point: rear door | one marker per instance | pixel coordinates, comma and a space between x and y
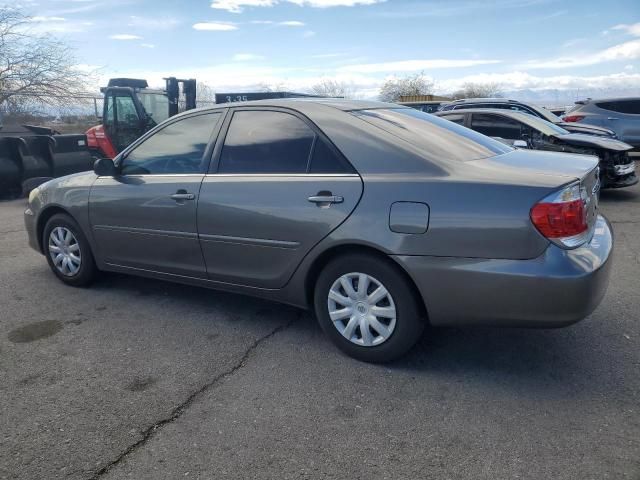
623, 117
277, 186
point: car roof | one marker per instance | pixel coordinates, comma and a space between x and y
485, 100
300, 103
609, 99
498, 111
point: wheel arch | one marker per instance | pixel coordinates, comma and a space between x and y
44, 217
345, 249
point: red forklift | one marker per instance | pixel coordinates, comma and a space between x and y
131, 108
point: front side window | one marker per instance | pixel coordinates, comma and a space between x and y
177, 148
261, 141
109, 112
126, 111
496, 126
459, 118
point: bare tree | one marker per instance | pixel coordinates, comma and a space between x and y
328, 87
274, 87
35, 66
417, 84
205, 94
478, 90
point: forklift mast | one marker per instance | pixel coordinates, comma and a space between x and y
173, 93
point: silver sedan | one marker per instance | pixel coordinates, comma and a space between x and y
380, 218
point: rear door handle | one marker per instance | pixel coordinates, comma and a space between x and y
326, 199
183, 196
612, 118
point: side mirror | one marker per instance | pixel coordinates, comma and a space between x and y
520, 144
104, 167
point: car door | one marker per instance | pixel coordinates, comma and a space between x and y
277, 187
145, 216
623, 117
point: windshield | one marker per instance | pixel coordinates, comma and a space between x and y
545, 127
437, 137
548, 116
156, 105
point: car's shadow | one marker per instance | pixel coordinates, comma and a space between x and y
549, 362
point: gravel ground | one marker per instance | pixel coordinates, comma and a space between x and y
135, 378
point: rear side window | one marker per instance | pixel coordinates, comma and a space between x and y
631, 107
266, 142
438, 138
496, 126
326, 160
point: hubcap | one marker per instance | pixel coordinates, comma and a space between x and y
65, 251
362, 310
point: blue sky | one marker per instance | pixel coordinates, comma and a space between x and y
238, 44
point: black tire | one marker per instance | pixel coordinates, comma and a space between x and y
409, 323
87, 271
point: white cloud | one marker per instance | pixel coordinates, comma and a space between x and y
631, 29
262, 22
237, 6
524, 81
47, 19
625, 51
628, 67
413, 65
147, 45
215, 26
309, 34
151, 23
125, 36
291, 23
246, 57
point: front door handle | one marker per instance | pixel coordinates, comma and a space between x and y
320, 199
181, 195
612, 118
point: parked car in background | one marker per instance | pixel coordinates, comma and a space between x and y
506, 104
622, 115
378, 217
427, 107
617, 168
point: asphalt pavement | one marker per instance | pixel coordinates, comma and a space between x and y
142, 379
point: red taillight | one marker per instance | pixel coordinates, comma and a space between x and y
573, 118
562, 216
559, 220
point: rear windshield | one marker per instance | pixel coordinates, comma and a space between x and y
439, 138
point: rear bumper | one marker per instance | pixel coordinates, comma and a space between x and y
556, 289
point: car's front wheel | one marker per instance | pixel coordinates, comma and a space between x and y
367, 307
68, 252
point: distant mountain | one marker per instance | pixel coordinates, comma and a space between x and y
558, 97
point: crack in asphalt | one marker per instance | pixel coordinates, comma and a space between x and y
177, 411
13, 231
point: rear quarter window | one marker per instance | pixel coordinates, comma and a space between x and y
438, 138
631, 107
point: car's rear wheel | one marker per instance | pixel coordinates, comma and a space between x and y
367, 307
68, 252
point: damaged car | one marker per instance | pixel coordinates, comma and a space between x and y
526, 131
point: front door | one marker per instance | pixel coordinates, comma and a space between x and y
145, 217
277, 188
